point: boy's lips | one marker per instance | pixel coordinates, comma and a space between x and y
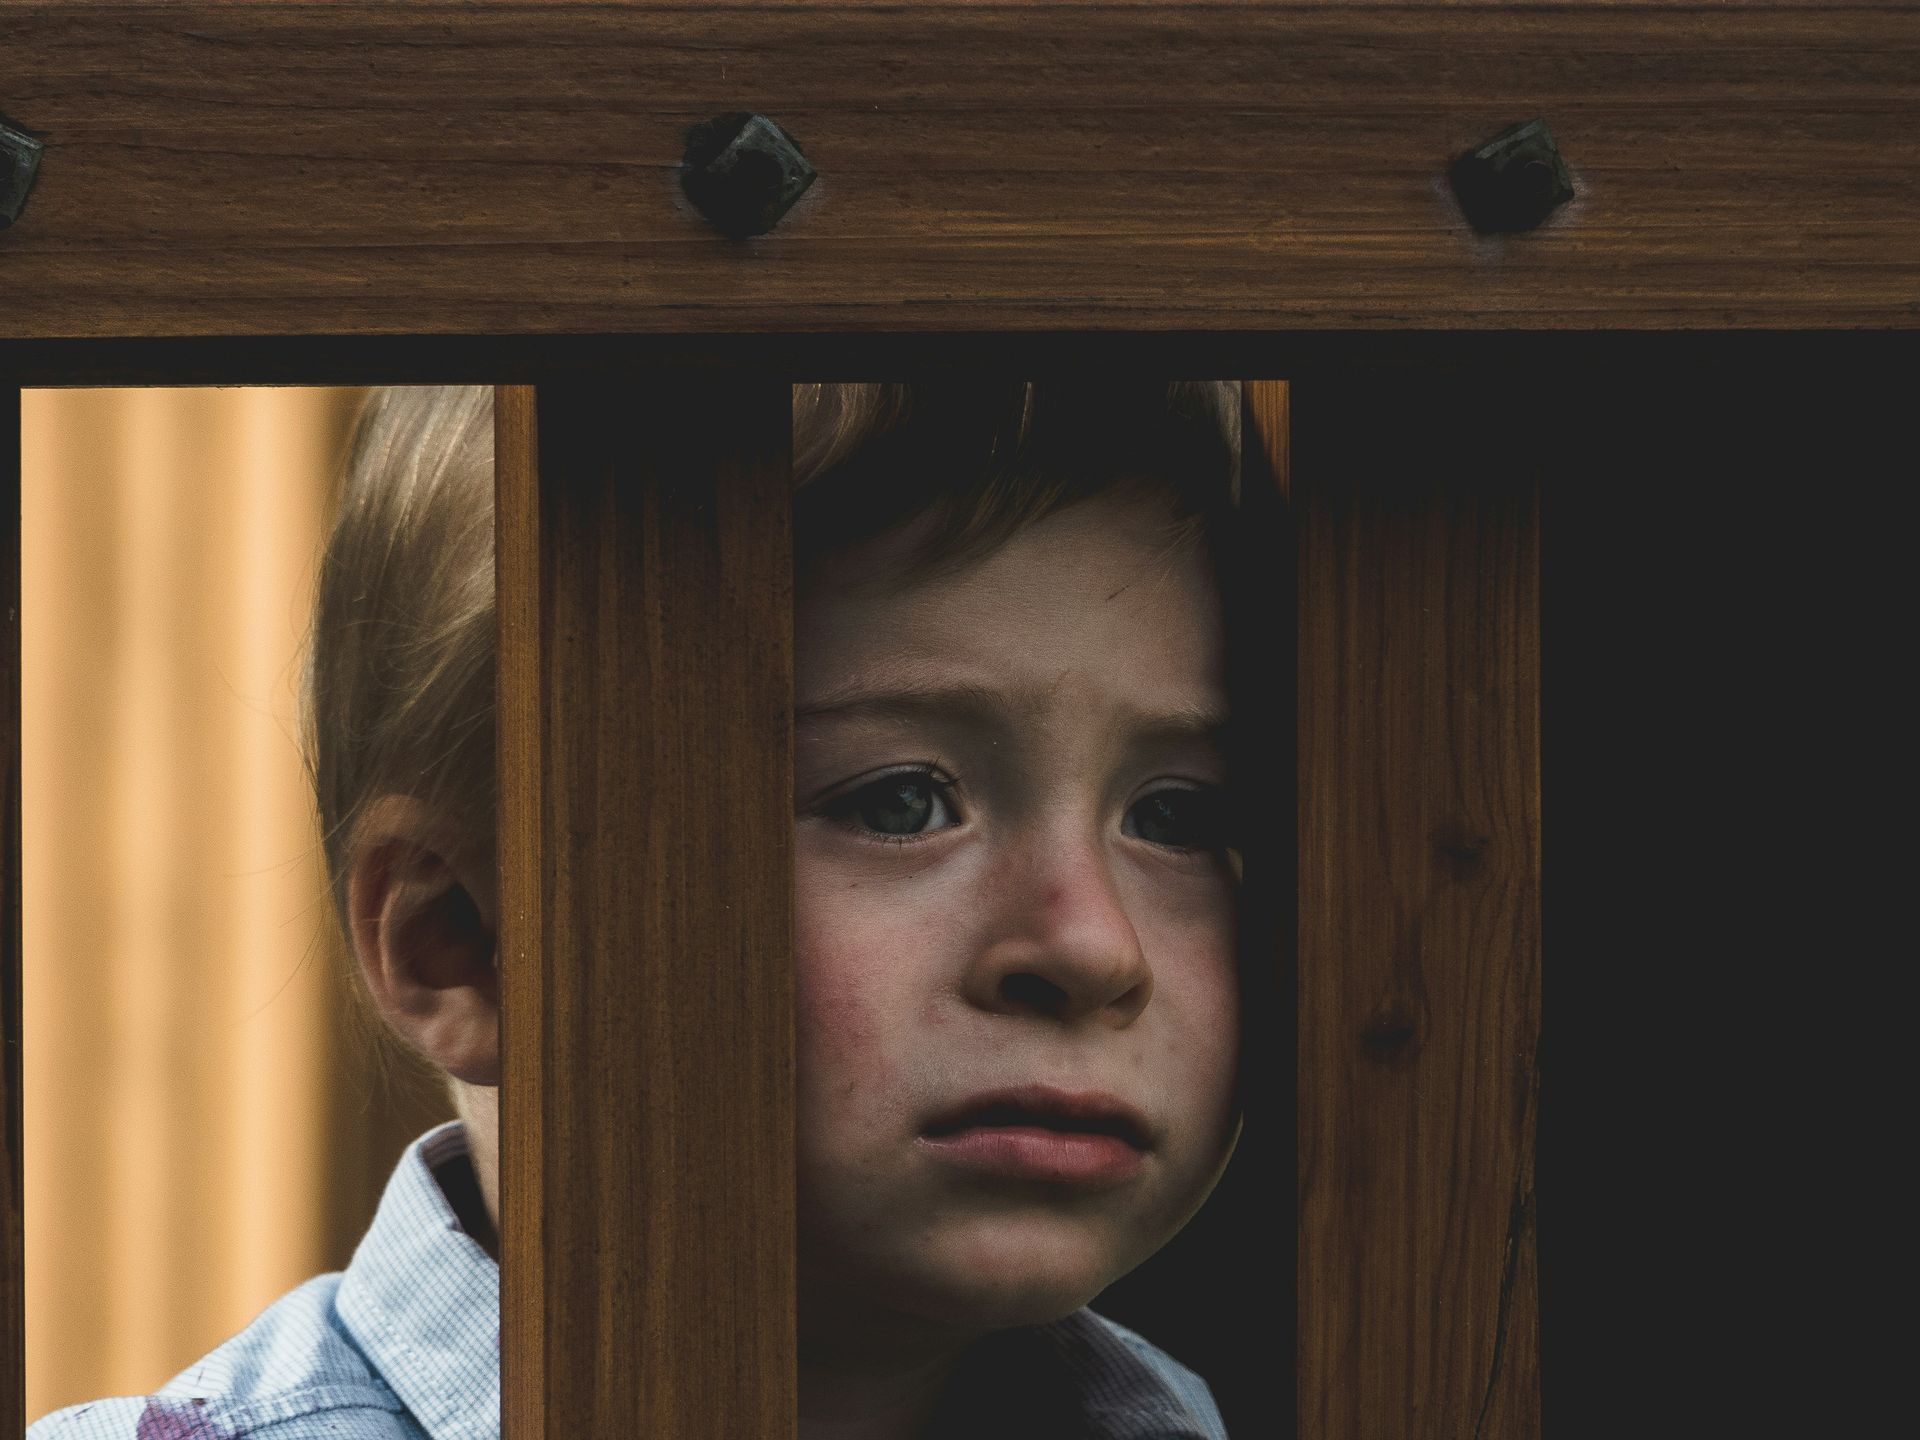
1033, 1152
1027, 1107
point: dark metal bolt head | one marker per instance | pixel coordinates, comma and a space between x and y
743, 172
19, 163
1513, 180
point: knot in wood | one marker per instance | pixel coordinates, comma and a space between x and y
1392, 1033
1461, 849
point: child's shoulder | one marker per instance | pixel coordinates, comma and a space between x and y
408, 1335
1184, 1400
293, 1374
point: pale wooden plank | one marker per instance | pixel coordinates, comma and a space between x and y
13, 1354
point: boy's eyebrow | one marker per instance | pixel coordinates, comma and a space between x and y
983, 703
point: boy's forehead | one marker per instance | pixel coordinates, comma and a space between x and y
1118, 539
1099, 528
1060, 608
1172, 717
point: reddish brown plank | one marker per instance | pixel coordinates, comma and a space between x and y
518, 738
258, 168
1269, 405
1419, 928
646, 813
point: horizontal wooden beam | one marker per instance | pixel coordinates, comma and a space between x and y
255, 168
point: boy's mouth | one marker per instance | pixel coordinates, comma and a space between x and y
1041, 1106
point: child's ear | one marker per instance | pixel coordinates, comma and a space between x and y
422, 921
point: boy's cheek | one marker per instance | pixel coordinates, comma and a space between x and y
1196, 1050
839, 1036
865, 979
843, 1019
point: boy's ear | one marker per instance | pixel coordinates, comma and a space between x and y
423, 927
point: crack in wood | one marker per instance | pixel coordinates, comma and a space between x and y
1519, 1222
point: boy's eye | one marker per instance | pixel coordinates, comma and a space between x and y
1179, 819
908, 803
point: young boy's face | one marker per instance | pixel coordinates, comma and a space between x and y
1008, 875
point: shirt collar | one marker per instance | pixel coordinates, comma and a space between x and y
422, 1299
1120, 1396
1071, 1377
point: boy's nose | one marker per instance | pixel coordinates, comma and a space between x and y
1060, 942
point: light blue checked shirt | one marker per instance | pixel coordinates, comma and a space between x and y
405, 1345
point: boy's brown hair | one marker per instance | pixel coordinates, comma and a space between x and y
398, 688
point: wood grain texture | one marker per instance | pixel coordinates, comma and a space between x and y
522, 841
646, 868
1269, 420
13, 1298
257, 168
1419, 930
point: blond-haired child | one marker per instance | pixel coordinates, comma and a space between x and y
1015, 885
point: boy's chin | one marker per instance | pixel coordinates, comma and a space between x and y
967, 1278
914, 1317
1023, 1280
966, 1307
1032, 1305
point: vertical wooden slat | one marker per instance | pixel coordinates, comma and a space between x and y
13, 1355
518, 715
646, 813
1419, 930
1269, 431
